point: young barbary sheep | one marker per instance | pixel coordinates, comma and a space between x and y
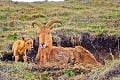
20, 46
45, 41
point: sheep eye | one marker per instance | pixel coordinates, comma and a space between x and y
48, 32
38, 32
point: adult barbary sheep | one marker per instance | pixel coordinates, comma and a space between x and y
73, 55
84, 56
19, 48
45, 41
62, 54
47, 51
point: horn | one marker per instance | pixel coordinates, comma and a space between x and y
49, 24
39, 23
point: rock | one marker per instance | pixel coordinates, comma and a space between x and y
108, 74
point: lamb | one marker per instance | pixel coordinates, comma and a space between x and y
19, 48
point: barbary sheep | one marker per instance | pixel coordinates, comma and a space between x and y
45, 41
20, 46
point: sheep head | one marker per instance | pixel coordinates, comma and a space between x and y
44, 33
28, 43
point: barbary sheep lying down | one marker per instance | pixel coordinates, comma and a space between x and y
84, 56
20, 46
62, 54
73, 55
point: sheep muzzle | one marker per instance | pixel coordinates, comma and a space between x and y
43, 45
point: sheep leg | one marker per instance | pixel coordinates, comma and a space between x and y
37, 59
77, 57
16, 58
16, 55
48, 57
42, 59
25, 57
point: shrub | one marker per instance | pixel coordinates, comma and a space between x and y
3, 17
28, 74
5, 29
12, 36
44, 78
69, 73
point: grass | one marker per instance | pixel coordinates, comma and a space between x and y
117, 78
101, 69
89, 15
28, 74
12, 37
3, 18
69, 73
63, 10
20, 71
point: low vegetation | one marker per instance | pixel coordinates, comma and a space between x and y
92, 16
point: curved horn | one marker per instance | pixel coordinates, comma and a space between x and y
49, 24
39, 23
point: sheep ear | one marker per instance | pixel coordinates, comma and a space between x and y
38, 23
23, 38
51, 22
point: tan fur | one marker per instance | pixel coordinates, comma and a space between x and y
19, 48
79, 54
84, 56
62, 54
45, 41
49, 52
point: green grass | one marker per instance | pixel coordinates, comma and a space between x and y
12, 36
44, 78
116, 78
27, 74
20, 71
5, 28
69, 73
90, 16
101, 69
3, 18
76, 16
